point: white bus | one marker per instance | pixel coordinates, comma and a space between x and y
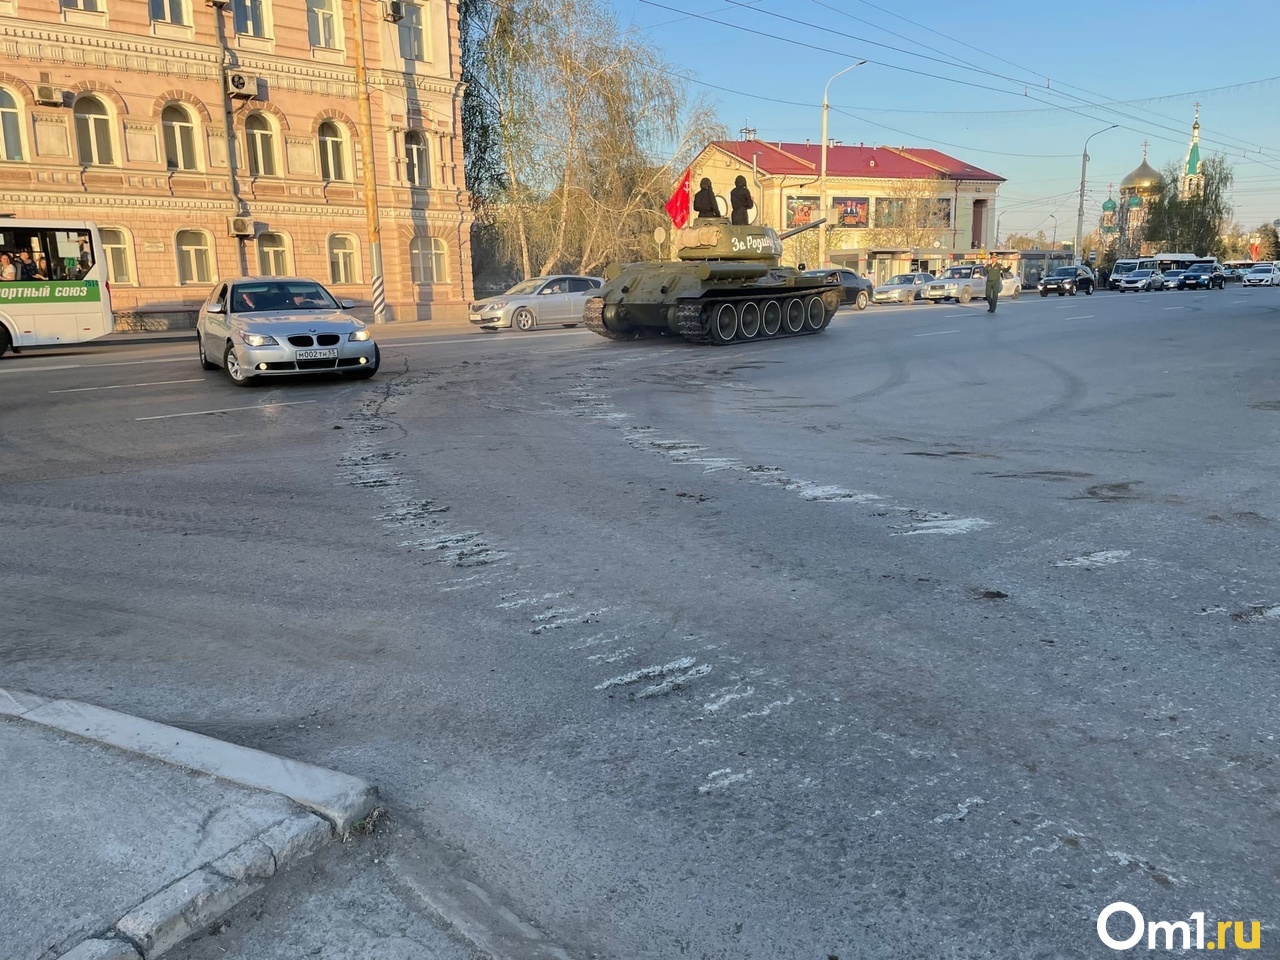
53, 286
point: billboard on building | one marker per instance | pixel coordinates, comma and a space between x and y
853, 211
802, 211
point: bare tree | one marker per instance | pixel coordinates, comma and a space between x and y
914, 218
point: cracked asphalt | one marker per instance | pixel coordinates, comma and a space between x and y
931, 635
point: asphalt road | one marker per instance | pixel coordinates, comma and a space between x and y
929, 636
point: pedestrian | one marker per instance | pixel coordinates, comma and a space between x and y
993, 283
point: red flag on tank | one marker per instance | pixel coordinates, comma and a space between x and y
678, 205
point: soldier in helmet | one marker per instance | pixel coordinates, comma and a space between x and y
741, 201
704, 201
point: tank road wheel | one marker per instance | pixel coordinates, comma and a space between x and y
748, 321
815, 314
965, 295
771, 322
793, 319
724, 327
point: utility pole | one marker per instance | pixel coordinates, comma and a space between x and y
238, 206
370, 171
822, 174
1084, 166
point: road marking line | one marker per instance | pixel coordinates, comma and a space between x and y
66, 366
122, 386
936, 334
1174, 308
201, 413
1087, 316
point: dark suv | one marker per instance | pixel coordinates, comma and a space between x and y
1067, 280
1203, 276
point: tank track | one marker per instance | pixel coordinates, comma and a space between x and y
699, 321
593, 317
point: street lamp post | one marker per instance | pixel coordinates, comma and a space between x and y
822, 171
1084, 165
1054, 244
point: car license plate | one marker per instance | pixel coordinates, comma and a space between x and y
330, 354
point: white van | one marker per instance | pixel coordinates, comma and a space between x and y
1123, 267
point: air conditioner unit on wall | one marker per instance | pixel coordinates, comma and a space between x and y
49, 96
393, 11
242, 85
240, 226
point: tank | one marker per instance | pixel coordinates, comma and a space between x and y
726, 287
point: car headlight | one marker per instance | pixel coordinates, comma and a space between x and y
359, 334
258, 339
496, 306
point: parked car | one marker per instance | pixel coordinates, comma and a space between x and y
1010, 285
903, 288
1171, 278
1263, 275
1142, 280
260, 327
540, 302
854, 289
961, 284
1068, 280
1202, 276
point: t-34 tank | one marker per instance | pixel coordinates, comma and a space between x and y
726, 287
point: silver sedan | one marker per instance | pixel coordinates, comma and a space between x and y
280, 326
903, 288
539, 302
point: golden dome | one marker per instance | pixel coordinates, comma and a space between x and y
1144, 178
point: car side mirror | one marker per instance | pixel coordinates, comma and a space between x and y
346, 304
214, 308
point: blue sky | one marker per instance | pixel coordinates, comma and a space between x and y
1035, 82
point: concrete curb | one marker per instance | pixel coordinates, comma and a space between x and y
336, 802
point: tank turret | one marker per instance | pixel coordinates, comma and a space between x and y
726, 285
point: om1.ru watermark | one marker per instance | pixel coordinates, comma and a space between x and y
1179, 934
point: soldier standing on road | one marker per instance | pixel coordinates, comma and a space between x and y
993, 283
704, 201
740, 198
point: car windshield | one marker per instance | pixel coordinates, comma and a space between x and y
1261, 270
902, 278
1140, 274
1200, 268
1064, 272
1121, 268
525, 287
957, 273
292, 295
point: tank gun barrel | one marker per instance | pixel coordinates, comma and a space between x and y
808, 226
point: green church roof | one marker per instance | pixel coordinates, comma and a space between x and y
1193, 161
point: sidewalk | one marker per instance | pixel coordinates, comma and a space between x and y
127, 836
383, 332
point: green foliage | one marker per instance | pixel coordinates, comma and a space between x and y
1194, 224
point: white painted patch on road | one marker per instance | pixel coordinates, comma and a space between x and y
769, 708
719, 779
205, 413
647, 673
962, 810
936, 333
940, 523
1098, 559
613, 656
1085, 316
677, 682
125, 386
1174, 308
525, 601
726, 698
1256, 614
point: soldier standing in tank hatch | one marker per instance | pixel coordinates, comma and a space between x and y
741, 201
704, 201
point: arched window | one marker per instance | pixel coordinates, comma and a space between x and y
417, 159
10, 127
195, 258
428, 261
261, 141
343, 265
93, 131
179, 138
273, 255
115, 247
333, 152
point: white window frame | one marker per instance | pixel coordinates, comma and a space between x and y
260, 145
254, 14
324, 24
95, 129
273, 259
428, 260
123, 250
349, 271
417, 159
412, 33
11, 145
181, 136
195, 262
333, 153
168, 9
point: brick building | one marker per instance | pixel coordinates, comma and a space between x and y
218, 138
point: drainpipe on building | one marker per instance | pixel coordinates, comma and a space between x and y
238, 207
373, 224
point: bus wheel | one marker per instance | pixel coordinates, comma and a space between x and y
5, 342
